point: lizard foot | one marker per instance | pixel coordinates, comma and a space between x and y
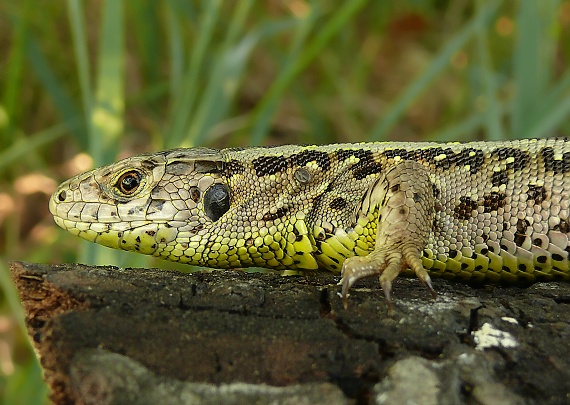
403, 201
387, 267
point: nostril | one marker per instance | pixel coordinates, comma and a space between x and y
62, 196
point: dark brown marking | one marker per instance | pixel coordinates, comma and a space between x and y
416, 197
267, 165
338, 203
536, 193
150, 233
233, 167
475, 162
520, 234
555, 165
343, 154
537, 242
155, 206
321, 158
557, 257
195, 193
521, 158
281, 212
402, 153
519, 239
435, 190
366, 166
430, 154
493, 201
563, 226
465, 208
395, 188
498, 178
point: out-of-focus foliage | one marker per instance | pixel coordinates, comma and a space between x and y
83, 83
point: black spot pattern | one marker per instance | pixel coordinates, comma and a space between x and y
536, 193
268, 165
493, 201
499, 178
365, 166
563, 226
521, 158
555, 165
301, 159
465, 208
430, 154
475, 162
338, 203
520, 234
233, 167
436, 191
402, 153
344, 154
279, 213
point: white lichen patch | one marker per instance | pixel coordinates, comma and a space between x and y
489, 336
510, 320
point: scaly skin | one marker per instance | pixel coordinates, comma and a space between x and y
480, 211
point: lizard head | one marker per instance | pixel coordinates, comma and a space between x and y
163, 204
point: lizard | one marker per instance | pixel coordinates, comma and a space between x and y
486, 211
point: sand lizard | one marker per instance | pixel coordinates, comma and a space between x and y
479, 211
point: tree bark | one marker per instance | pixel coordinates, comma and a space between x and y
112, 336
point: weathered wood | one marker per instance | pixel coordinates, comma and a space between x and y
108, 335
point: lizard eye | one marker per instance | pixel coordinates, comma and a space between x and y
217, 201
129, 182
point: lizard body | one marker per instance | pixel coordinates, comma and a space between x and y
479, 211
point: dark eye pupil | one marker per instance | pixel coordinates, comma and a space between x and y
217, 201
129, 182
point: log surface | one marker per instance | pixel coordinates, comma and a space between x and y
111, 336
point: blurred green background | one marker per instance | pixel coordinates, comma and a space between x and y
86, 82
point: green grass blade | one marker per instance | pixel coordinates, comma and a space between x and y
264, 111
223, 82
440, 62
144, 19
492, 122
68, 112
533, 60
77, 25
461, 131
188, 91
108, 108
548, 123
176, 51
25, 146
14, 69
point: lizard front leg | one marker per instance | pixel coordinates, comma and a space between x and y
403, 200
